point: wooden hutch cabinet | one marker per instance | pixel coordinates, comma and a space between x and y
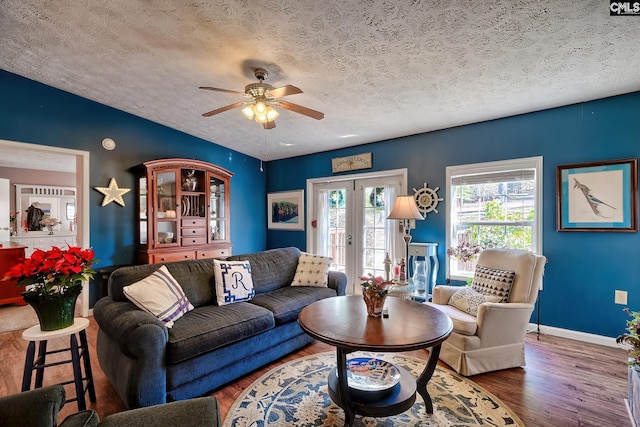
183, 211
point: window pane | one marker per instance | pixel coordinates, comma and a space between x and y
493, 206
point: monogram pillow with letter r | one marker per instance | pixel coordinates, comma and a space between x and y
233, 281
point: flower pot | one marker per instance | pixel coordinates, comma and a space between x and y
374, 303
55, 311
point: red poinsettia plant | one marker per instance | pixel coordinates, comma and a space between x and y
54, 271
375, 284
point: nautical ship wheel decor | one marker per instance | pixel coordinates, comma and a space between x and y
427, 199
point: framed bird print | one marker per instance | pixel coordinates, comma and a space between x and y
598, 196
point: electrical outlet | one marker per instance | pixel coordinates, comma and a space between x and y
412, 224
621, 297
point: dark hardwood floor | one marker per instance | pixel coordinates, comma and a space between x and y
565, 382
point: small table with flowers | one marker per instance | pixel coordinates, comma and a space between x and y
343, 322
78, 352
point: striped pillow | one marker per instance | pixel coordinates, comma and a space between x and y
161, 295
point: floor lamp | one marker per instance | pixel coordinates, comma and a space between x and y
405, 209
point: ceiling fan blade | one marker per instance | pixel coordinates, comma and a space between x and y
269, 124
217, 89
300, 110
223, 109
283, 91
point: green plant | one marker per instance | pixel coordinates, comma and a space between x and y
632, 337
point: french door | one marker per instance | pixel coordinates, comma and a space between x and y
349, 223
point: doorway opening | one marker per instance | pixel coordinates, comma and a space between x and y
43, 157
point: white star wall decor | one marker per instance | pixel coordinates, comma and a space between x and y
112, 193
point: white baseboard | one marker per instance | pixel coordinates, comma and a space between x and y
574, 335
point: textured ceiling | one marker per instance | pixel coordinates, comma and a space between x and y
378, 69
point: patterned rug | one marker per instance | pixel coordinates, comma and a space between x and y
295, 394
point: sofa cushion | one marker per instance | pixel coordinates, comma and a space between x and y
312, 270
271, 269
286, 303
161, 295
469, 300
212, 326
233, 281
463, 323
492, 281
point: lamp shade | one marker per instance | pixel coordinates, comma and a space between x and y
405, 208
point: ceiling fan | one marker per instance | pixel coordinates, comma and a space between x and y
263, 97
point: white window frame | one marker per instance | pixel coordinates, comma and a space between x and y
492, 167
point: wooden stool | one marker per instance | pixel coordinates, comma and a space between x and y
38, 363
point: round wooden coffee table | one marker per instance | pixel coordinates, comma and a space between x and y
343, 322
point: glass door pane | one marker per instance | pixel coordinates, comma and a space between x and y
217, 210
165, 208
142, 209
374, 245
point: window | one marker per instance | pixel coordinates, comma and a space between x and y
493, 205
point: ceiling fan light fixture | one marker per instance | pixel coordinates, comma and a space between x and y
248, 112
272, 113
261, 118
260, 107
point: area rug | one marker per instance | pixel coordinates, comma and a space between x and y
295, 394
14, 317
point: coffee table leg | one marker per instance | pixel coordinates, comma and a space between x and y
426, 375
343, 388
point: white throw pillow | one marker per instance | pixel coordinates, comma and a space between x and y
312, 270
161, 295
469, 300
233, 281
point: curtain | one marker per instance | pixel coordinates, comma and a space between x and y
322, 228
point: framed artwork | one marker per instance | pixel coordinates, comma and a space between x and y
71, 211
286, 210
598, 196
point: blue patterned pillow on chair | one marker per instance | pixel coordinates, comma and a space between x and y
233, 281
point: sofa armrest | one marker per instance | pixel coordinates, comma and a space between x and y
131, 348
198, 412
120, 320
502, 323
338, 281
88, 418
33, 408
442, 293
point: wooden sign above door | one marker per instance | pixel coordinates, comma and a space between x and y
351, 163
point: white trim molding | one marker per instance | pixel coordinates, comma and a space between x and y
574, 335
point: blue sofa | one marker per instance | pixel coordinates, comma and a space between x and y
211, 345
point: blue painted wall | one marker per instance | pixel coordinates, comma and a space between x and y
584, 269
35, 113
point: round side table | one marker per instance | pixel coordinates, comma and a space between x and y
38, 363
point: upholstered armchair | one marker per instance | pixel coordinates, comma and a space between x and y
494, 338
40, 407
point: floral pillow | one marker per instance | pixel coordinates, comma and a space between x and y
468, 300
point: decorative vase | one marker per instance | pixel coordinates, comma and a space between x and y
374, 303
50, 228
55, 311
